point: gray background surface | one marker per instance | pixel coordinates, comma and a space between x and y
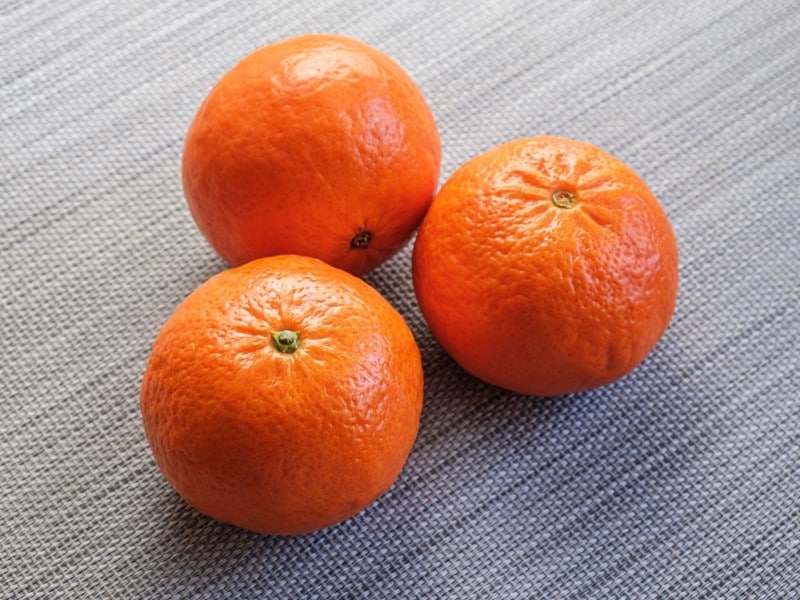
682, 480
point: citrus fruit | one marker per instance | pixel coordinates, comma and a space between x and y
282, 396
546, 266
318, 145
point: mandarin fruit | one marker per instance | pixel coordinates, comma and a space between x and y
546, 266
319, 145
282, 396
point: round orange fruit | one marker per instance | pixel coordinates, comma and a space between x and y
318, 145
546, 266
282, 396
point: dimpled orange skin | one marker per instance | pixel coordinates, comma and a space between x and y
304, 145
282, 443
541, 299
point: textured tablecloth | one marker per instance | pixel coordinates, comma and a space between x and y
680, 481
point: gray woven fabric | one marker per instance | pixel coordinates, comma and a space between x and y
680, 481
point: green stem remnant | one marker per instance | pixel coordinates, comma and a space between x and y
564, 199
285, 341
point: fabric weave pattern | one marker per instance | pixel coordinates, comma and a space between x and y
680, 481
